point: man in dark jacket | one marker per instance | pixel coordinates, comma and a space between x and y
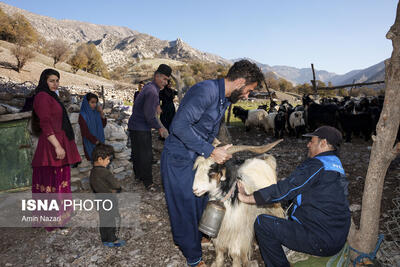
192, 131
319, 220
142, 120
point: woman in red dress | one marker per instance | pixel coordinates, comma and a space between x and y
56, 149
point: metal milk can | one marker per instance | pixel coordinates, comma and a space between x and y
212, 217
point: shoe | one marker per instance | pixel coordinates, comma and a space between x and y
108, 244
201, 264
151, 188
117, 243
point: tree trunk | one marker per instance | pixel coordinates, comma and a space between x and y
19, 67
383, 150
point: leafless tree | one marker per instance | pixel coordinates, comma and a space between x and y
58, 50
23, 54
384, 150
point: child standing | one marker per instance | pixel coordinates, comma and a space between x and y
92, 122
103, 181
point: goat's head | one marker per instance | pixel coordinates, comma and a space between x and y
209, 177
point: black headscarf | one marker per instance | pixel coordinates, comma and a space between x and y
43, 87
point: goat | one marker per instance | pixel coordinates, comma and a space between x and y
236, 234
240, 113
296, 122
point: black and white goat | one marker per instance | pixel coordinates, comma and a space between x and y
252, 118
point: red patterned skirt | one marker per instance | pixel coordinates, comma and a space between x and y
57, 181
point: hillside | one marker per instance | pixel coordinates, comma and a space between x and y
370, 74
33, 69
118, 45
124, 47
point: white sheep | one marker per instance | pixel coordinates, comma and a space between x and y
257, 118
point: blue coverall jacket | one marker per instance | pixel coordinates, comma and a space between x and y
192, 131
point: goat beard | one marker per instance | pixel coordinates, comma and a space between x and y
236, 95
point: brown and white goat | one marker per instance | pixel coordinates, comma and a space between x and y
236, 234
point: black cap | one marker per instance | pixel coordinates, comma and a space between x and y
164, 69
331, 134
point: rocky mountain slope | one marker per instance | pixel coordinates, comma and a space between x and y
118, 45
304, 75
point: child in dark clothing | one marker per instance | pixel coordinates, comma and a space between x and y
103, 181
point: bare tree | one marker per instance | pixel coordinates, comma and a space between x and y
22, 54
58, 50
384, 150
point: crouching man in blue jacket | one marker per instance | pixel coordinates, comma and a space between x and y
319, 220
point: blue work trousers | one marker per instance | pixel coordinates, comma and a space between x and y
184, 208
272, 232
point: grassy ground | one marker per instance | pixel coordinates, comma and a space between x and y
128, 103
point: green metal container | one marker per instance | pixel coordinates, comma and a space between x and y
15, 155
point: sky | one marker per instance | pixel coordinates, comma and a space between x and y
337, 36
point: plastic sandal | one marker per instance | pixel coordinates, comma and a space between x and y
108, 244
119, 243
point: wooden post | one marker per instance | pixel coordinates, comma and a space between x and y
269, 93
15, 116
228, 119
313, 81
353, 85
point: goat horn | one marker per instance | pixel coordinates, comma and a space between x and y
255, 149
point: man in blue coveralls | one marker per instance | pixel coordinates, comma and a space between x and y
192, 131
320, 217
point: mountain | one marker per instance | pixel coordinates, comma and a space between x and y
69, 30
370, 74
118, 45
292, 74
304, 75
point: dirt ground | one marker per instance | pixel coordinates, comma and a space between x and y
150, 243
